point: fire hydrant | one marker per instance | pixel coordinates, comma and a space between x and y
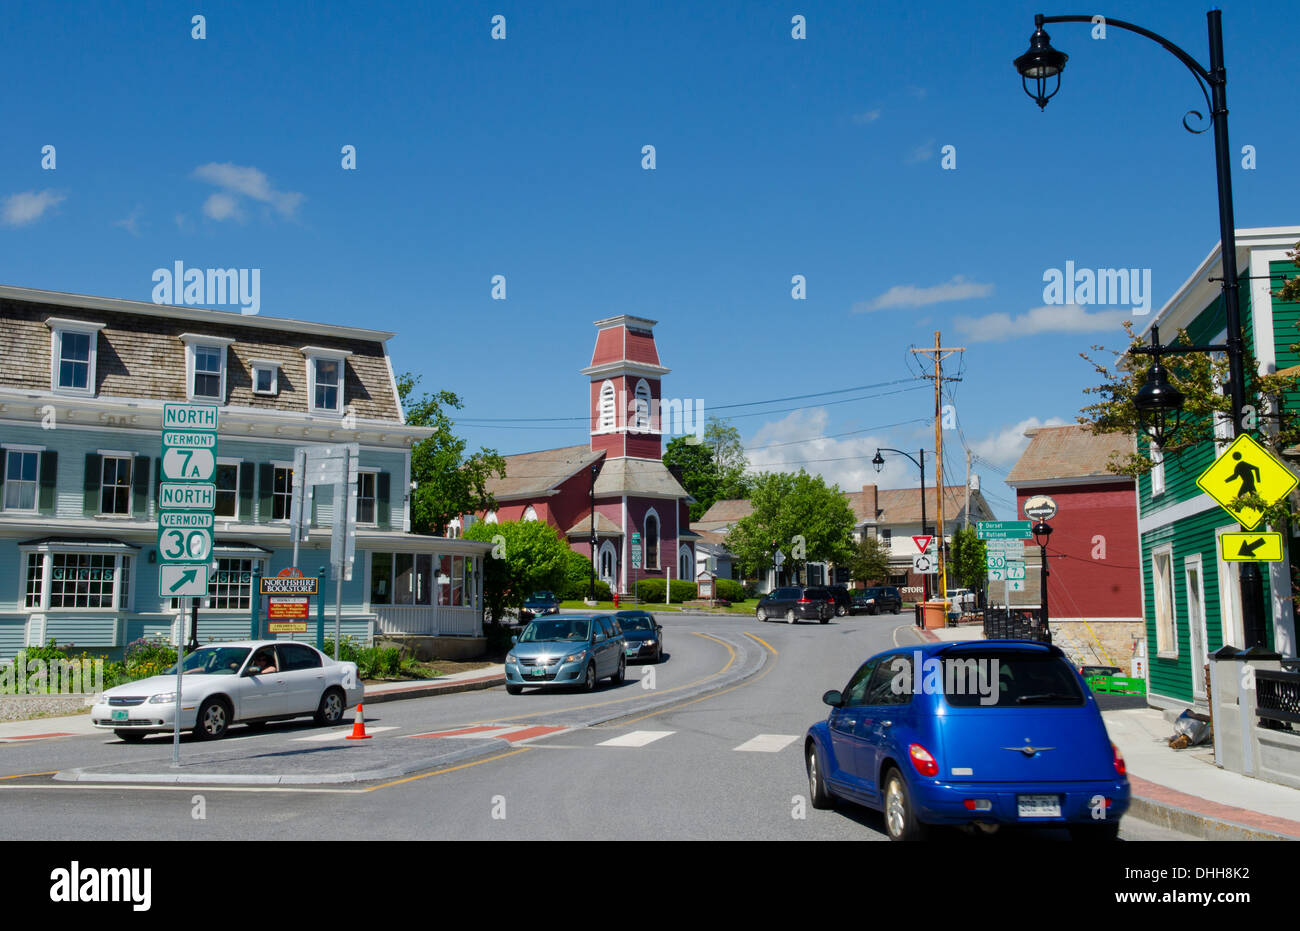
615, 599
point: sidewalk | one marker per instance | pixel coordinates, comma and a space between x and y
1182, 789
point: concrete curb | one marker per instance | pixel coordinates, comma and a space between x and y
1194, 823
745, 659
426, 691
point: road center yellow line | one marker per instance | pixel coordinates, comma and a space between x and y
449, 769
762, 641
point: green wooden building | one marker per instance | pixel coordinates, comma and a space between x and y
1191, 598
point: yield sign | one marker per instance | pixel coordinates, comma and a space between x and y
922, 543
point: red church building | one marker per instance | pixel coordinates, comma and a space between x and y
620, 468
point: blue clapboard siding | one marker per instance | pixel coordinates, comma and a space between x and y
147, 629
13, 636
358, 628
82, 631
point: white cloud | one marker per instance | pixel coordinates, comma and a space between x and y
222, 206
28, 206
844, 461
868, 116
247, 181
922, 153
906, 295
1065, 318
1004, 447
131, 223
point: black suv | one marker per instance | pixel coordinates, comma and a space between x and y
796, 602
878, 599
843, 599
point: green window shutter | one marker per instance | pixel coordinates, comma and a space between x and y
49, 477
4, 470
245, 491
265, 488
140, 486
383, 509
90, 487
157, 481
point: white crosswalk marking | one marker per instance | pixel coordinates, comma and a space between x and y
340, 734
634, 739
768, 743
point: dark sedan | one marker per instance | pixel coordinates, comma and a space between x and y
644, 636
539, 604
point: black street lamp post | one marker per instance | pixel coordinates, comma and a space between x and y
879, 462
1042, 531
591, 587
1040, 64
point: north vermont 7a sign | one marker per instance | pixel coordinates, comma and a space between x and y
187, 498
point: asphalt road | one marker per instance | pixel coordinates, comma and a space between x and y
727, 765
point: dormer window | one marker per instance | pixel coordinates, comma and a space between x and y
73, 352
205, 367
326, 370
266, 377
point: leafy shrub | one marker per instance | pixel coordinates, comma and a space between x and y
729, 590
48, 652
652, 590
751, 590
146, 658
379, 662
348, 649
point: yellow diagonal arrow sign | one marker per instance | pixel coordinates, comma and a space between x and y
1250, 547
1244, 468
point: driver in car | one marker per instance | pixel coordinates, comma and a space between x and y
265, 661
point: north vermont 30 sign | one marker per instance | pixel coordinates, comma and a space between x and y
187, 498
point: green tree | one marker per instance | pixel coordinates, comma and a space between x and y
870, 561
808, 521
713, 470
448, 482
527, 556
967, 559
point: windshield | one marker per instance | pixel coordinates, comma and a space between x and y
212, 661
1023, 680
569, 628
542, 596
635, 623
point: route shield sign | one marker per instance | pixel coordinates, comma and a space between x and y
1250, 547
187, 497
1246, 467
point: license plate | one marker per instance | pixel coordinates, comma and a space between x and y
120, 715
1039, 806
539, 672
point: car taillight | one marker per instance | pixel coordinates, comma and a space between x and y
1119, 761
925, 764
804, 600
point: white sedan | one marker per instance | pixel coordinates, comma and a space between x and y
247, 681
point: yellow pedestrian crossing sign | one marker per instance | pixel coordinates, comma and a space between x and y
1246, 468
1250, 547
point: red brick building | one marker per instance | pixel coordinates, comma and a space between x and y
1094, 590
621, 466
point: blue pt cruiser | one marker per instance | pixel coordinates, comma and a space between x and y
985, 733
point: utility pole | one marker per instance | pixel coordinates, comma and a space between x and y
938, 354
966, 513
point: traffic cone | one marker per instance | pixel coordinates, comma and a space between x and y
359, 726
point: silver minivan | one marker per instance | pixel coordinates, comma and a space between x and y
566, 650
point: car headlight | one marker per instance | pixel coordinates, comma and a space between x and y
166, 698
575, 657
649, 643
510, 658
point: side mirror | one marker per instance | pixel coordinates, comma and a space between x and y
252, 670
514, 638
833, 698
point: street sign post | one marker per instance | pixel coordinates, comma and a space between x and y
1246, 467
187, 498
1004, 529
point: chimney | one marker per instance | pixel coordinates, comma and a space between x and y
870, 509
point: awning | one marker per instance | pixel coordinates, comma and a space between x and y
100, 544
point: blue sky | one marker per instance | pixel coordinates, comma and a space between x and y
775, 157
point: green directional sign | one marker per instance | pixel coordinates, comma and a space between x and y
187, 498
1004, 529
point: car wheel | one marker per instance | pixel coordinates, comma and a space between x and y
826, 620
330, 709
762, 615
842, 611
1095, 833
513, 689
789, 616
818, 795
131, 737
618, 677
897, 608
589, 683
213, 720
900, 819
659, 655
